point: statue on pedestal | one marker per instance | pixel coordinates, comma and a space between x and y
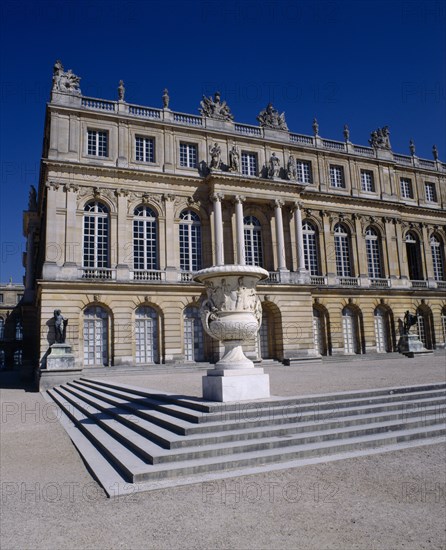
60, 327
121, 90
274, 167
215, 152
234, 159
409, 321
291, 171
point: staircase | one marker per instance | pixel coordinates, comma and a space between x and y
129, 435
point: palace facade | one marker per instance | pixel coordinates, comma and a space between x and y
133, 200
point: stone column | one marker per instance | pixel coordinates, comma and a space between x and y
402, 257
73, 249
218, 228
299, 237
279, 234
427, 257
171, 239
240, 237
361, 254
124, 238
53, 252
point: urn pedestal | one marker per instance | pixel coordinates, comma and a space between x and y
232, 314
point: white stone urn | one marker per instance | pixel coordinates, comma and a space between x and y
231, 312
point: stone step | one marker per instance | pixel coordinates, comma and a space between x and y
204, 406
119, 455
170, 440
250, 409
268, 456
146, 438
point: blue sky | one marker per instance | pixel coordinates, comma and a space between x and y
363, 63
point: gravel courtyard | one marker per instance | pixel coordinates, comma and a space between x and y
383, 501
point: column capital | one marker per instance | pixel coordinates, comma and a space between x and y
217, 197
239, 199
168, 197
278, 203
296, 205
53, 185
71, 188
121, 193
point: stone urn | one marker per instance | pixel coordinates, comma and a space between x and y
231, 312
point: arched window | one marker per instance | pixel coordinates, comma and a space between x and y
96, 235
310, 248
2, 328
351, 329
190, 241
437, 258
253, 241
95, 336
425, 326
19, 330
145, 239
320, 331
382, 330
193, 335
342, 251
373, 254
146, 335
414, 256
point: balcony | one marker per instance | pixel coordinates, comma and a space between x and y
348, 281
150, 275
318, 280
376, 282
418, 284
97, 273
273, 279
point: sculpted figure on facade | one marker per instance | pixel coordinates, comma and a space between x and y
380, 138
270, 118
346, 133
65, 81
234, 159
121, 90
274, 167
412, 147
315, 127
291, 170
60, 327
435, 152
166, 98
215, 153
215, 108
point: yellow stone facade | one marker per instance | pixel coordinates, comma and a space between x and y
307, 313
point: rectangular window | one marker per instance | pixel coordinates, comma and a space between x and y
337, 176
431, 192
367, 183
1, 298
249, 164
304, 172
97, 145
188, 155
406, 188
144, 149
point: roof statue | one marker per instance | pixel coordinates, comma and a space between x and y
121, 90
379, 138
270, 118
65, 81
215, 108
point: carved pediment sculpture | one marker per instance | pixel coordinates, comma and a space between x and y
380, 138
270, 118
213, 107
65, 81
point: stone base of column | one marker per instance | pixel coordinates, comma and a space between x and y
235, 385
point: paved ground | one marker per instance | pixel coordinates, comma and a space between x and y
384, 501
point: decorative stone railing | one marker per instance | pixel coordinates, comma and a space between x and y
185, 119
152, 275
418, 284
144, 112
188, 120
318, 280
441, 284
348, 281
273, 279
101, 273
186, 276
377, 282
301, 139
248, 130
98, 104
